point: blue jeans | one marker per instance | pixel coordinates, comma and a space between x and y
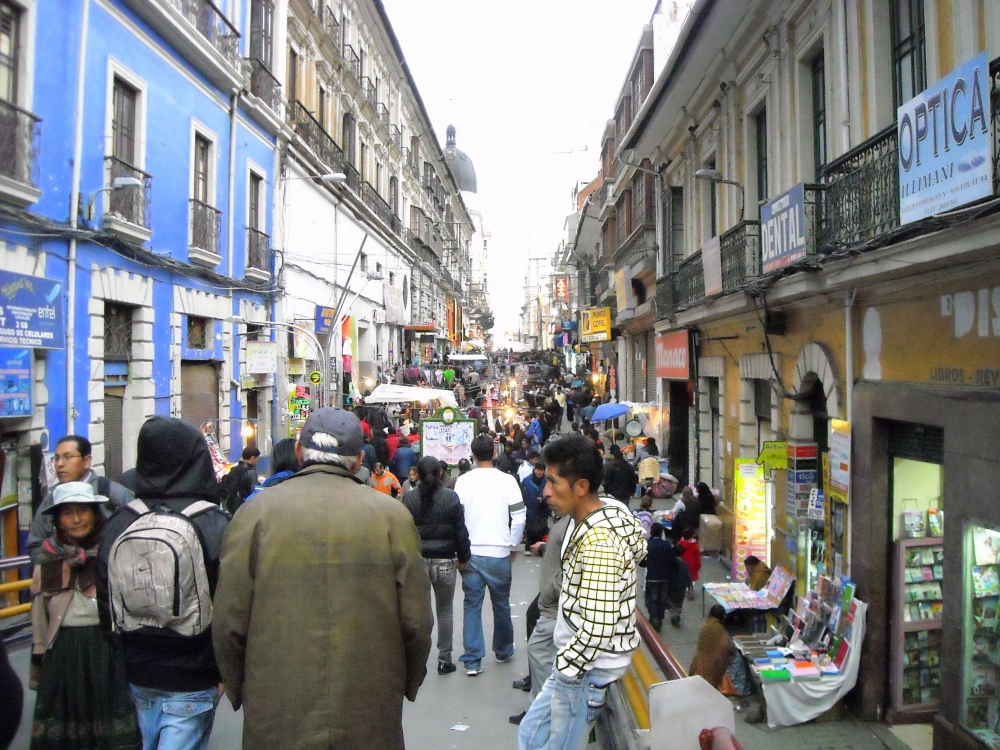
563, 713
483, 573
442, 575
174, 721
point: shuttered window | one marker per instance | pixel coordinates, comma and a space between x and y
199, 392
114, 401
650, 366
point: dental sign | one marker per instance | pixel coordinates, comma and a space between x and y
783, 229
945, 148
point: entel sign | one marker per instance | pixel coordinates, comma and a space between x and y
672, 359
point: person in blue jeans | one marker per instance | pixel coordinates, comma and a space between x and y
494, 516
595, 631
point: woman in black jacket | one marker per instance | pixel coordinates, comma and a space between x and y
440, 519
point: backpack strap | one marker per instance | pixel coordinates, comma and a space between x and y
139, 507
198, 507
104, 486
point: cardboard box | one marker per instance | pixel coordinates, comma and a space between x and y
710, 534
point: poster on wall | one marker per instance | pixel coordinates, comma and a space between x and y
447, 442
31, 311
262, 357
750, 515
15, 382
840, 459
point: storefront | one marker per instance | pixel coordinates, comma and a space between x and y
672, 352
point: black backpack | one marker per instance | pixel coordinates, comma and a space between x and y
231, 490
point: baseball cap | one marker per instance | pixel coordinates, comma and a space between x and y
333, 431
73, 492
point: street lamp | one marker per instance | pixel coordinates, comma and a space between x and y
714, 175
119, 183
332, 178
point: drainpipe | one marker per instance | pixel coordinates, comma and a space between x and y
849, 339
232, 176
845, 90
74, 213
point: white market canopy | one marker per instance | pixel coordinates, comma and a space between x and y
466, 357
389, 393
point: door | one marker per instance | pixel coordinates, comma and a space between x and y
114, 401
650, 366
200, 393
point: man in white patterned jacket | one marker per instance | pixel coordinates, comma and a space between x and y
595, 631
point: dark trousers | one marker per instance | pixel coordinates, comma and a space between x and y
657, 600
532, 615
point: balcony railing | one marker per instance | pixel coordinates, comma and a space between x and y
369, 91
376, 203
407, 157
309, 130
212, 24
206, 226
130, 203
382, 112
690, 281
263, 84
20, 138
396, 136
352, 62
862, 191
332, 26
666, 297
740, 251
258, 250
353, 178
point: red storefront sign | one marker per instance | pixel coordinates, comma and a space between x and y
673, 360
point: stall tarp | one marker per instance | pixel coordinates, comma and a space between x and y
466, 357
395, 394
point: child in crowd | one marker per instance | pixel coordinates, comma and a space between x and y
659, 558
690, 553
645, 513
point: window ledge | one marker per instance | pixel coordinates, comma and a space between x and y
126, 229
203, 257
256, 274
21, 194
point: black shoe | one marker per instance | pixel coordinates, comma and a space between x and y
523, 684
675, 621
516, 718
656, 624
446, 667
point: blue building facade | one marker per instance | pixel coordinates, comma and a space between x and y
141, 182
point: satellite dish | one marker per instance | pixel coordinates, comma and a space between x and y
633, 428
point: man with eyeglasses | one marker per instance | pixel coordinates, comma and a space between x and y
73, 458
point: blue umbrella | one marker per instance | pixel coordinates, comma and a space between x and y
608, 411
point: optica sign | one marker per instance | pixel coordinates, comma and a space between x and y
783, 229
673, 359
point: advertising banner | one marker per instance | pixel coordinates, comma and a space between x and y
324, 318
750, 515
711, 262
15, 382
945, 148
595, 325
783, 229
560, 288
840, 459
394, 312
672, 356
262, 357
31, 312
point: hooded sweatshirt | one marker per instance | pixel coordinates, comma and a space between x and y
595, 627
174, 469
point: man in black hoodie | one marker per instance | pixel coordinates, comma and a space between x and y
173, 679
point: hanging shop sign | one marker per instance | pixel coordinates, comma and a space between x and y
15, 382
774, 455
802, 479
711, 262
394, 312
295, 367
31, 311
840, 459
673, 360
315, 377
560, 288
750, 517
262, 357
595, 325
944, 143
783, 229
324, 318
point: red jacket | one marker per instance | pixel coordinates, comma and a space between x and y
392, 441
366, 428
691, 555
414, 438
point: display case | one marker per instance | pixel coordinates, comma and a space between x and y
981, 663
916, 658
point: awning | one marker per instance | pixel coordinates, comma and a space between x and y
389, 393
466, 357
421, 328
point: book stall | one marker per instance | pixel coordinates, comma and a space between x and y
738, 595
814, 660
981, 678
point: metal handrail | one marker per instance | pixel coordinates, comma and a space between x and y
13, 563
662, 655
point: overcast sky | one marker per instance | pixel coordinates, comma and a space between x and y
523, 82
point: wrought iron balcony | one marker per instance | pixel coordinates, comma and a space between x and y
369, 91
666, 296
396, 136
382, 112
206, 227
690, 281
862, 191
130, 204
353, 178
20, 138
332, 26
212, 24
352, 62
309, 130
740, 251
263, 84
375, 202
258, 250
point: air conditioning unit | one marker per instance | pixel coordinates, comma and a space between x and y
379, 316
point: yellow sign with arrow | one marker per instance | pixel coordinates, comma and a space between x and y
774, 456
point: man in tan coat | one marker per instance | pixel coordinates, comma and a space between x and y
323, 617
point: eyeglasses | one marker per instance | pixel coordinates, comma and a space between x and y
67, 456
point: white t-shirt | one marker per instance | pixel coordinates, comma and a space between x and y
494, 511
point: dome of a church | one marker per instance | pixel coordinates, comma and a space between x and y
459, 163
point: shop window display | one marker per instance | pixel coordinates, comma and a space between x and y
981, 671
919, 610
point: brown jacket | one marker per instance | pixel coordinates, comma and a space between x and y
715, 649
323, 615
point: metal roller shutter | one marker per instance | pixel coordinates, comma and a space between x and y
638, 353
199, 392
650, 366
113, 404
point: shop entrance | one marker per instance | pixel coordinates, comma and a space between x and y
677, 446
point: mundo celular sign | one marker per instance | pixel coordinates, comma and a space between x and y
31, 312
945, 148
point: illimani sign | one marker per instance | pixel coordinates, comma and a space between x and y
945, 148
31, 312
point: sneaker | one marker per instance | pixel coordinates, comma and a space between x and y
473, 669
523, 684
446, 667
517, 718
508, 657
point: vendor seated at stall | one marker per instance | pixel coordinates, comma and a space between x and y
758, 573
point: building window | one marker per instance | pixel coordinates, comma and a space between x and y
378, 178
202, 168
415, 220
818, 66
762, 396
392, 278
362, 161
10, 42
378, 270
253, 210
675, 229
261, 30
711, 197
760, 135
198, 336
117, 333
363, 263
123, 119
348, 137
394, 195
909, 56
321, 108
293, 75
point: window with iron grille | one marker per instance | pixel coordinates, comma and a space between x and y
124, 101
321, 108
117, 332
909, 50
198, 332
674, 228
10, 43
293, 75
818, 66
262, 30
760, 133
256, 189
202, 165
